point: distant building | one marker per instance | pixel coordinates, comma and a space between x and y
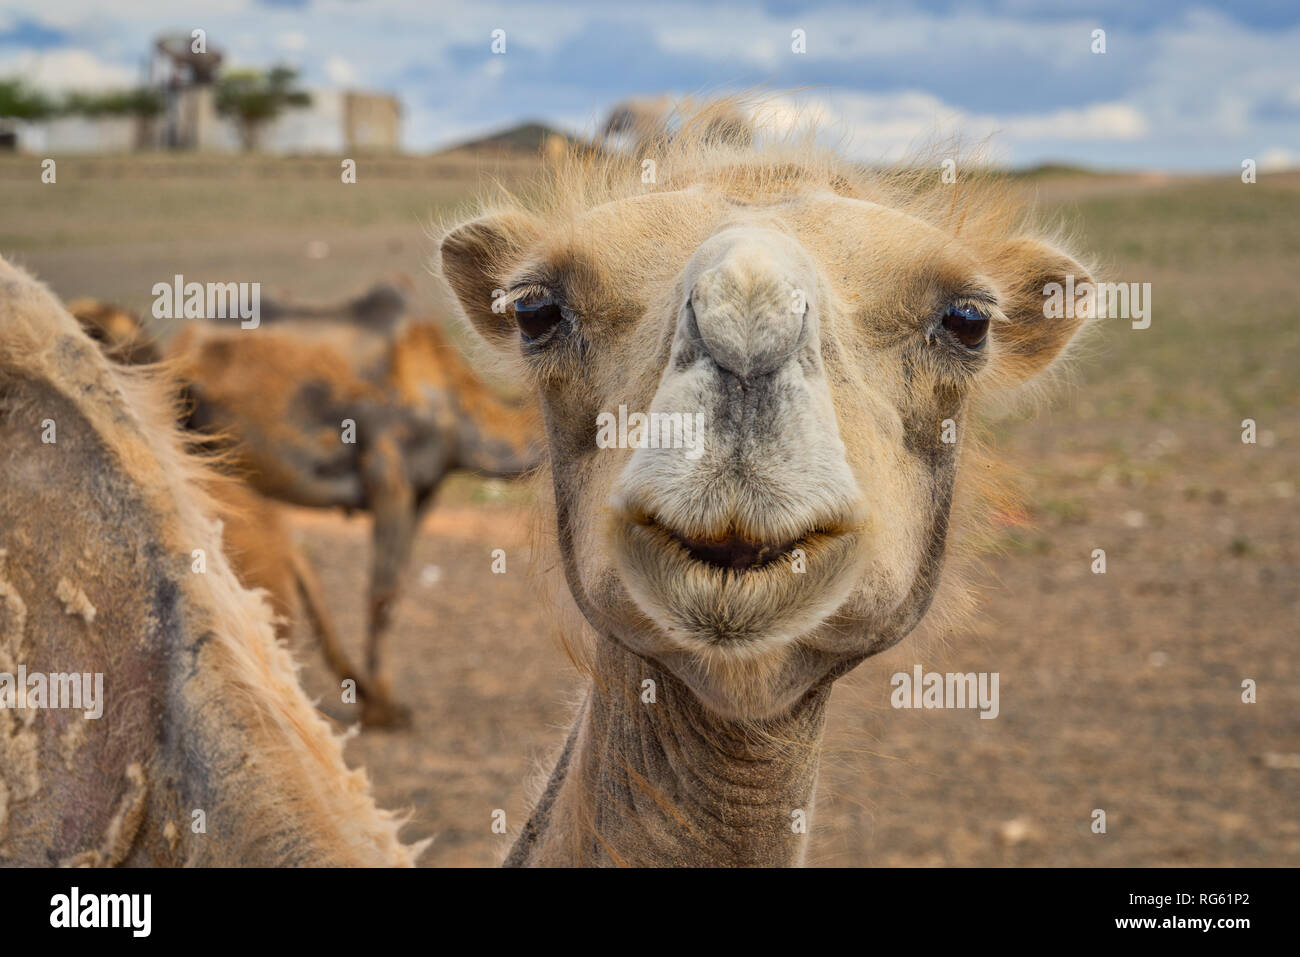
337, 121
80, 134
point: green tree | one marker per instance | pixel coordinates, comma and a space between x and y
20, 102
254, 98
142, 101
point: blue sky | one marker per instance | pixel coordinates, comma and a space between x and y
1185, 86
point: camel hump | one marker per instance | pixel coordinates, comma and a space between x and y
380, 307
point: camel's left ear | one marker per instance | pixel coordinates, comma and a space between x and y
1034, 278
477, 257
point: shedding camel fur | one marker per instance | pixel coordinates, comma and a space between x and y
207, 752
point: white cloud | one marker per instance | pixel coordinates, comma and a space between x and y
1101, 121
341, 72
889, 126
68, 69
1207, 73
292, 41
848, 32
1278, 158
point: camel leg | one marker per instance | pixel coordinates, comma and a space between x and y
392, 503
322, 626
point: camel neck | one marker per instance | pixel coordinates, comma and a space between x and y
649, 777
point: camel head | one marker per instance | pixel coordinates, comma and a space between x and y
828, 330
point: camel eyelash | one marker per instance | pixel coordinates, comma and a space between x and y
527, 289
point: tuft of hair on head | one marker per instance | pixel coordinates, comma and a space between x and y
754, 146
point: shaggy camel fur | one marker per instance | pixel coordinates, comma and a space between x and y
207, 751
834, 327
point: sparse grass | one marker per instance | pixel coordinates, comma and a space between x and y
184, 199
1066, 511
1220, 256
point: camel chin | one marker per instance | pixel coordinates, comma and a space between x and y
724, 628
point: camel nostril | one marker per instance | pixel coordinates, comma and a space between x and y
751, 329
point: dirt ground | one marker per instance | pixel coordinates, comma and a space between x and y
1120, 692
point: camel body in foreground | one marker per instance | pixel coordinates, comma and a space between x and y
207, 751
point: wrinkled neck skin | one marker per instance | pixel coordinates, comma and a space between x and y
669, 783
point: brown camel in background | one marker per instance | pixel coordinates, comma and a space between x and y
257, 540
333, 409
380, 307
640, 124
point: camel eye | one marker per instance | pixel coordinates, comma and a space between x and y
537, 316
967, 325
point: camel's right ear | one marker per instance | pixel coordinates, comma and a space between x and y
477, 257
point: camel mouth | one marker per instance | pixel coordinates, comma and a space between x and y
734, 595
731, 551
